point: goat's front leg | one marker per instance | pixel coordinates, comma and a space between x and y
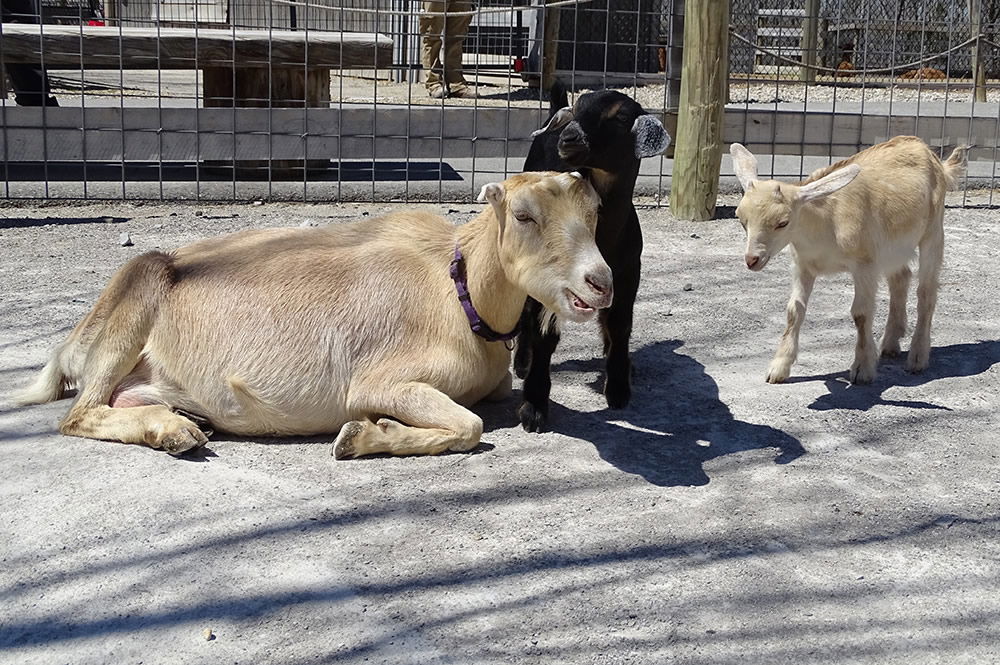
788, 348
413, 419
616, 330
530, 327
865, 364
534, 410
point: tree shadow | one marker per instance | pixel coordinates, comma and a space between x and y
952, 361
674, 424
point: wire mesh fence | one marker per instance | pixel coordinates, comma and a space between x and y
421, 100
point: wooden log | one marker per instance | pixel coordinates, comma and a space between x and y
102, 47
705, 69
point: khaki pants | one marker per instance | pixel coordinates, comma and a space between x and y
454, 29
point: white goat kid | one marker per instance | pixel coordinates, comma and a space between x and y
356, 327
865, 215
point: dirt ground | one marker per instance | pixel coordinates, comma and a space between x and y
716, 520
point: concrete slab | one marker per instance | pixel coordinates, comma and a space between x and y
716, 520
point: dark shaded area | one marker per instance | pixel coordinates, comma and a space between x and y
675, 405
355, 171
952, 361
26, 222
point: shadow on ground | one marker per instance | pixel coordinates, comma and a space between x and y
952, 361
674, 424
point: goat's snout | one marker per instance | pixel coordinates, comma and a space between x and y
601, 283
755, 261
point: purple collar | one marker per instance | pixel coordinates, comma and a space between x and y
457, 270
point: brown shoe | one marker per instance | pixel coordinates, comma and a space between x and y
437, 92
464, 92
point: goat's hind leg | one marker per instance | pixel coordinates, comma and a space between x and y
895, 326
129, 305
417, 419
931, 258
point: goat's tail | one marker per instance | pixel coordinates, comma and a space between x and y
955, 165
47, 387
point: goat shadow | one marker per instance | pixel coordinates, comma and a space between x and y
955, 360
674, 423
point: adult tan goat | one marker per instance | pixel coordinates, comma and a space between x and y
366, 328
865, 215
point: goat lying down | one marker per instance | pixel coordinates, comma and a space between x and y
865, 215
381, 329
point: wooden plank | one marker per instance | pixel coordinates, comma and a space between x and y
698, 149
100, 47
175, 134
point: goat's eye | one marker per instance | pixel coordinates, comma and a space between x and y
782, 224
524, 218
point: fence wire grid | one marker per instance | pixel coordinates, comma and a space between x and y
319, 100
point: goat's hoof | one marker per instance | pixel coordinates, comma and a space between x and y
778, 373
177, 435
861, 376
890, 350
618, 398
532, 419
917, 362
343, 445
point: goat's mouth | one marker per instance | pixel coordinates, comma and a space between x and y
578, 306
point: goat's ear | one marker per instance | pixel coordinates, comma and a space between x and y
494, 194
828, 184
651, 137
559, 119
744, 165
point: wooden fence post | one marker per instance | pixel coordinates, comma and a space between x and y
810, 41
704, 76
978, 72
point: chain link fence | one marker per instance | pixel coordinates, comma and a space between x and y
330, 100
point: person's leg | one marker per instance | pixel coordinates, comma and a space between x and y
455, 29
30, 83
431, 27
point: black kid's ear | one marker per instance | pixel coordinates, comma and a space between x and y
651, 138
559, 119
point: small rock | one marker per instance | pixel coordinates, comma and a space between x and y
109, 220
689, 287
157, 226
124, 239
309, 222
695, 235
208, 634
364, 213
199, 213
453, 211
258, 203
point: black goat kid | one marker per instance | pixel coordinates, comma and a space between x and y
604, 136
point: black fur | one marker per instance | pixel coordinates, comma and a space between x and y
600, 143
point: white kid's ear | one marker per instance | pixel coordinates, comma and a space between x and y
651, 138
829, 184
494, 194
744, 165
559, 119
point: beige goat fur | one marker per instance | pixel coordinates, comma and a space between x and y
354, 327
865, 215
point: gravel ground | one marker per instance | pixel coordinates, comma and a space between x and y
716, 520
